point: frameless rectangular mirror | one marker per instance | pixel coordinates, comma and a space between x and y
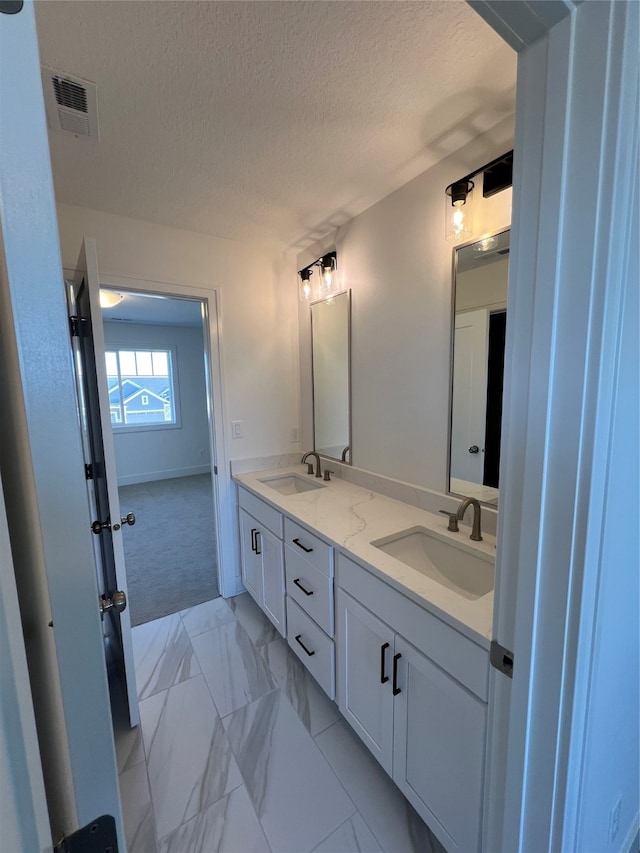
480, 277
330, 353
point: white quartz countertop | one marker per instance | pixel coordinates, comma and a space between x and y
351, 517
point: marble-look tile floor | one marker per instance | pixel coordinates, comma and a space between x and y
240, 751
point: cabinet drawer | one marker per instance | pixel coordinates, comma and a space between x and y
261, 511
310, 588
313, 549
313, 647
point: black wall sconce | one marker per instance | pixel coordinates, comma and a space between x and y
327, 265
496, 176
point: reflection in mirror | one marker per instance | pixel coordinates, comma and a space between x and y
330, 351
481, 272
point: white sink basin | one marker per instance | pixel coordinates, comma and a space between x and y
290, 484
470, 575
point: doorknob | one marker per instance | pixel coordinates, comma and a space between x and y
117, 602
129, 519
98, 526
474, 449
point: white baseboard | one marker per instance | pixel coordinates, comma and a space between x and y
152, 476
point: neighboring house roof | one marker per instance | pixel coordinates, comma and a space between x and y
128, 387
144, 392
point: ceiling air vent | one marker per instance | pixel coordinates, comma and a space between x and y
71, 103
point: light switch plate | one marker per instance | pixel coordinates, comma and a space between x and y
236, 429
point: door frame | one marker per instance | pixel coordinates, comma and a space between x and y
573, 210
223, 494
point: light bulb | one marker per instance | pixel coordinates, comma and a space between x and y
327, 266
458, 210
305, 284
458, 216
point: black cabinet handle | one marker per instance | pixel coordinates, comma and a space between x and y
300, 643
258, 551
383, 678
300, 545
253, 541
396, 689
298, 584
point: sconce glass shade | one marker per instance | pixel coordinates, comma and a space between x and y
109, 299
328, 279
305, 290
486, 244
458, 223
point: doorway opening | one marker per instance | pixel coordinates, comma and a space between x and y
156, 362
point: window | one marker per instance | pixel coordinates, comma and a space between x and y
141, 388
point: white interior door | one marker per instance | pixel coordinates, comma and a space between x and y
96, 418
469, 406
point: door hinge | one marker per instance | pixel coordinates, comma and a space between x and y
88, 472
501, 658
74, 326
99, 836
215, 470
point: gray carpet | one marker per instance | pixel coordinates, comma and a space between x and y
170, 551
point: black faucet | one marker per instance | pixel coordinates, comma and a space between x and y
309, 464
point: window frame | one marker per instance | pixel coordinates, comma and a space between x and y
148, 346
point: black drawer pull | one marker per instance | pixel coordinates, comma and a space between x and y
298, 584
258, 551
383, 678
253, 541
396, 689
300, 643
300, 545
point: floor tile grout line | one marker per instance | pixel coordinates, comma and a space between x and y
244, 781
153, 808
220, 718
197, 815
186, 609
177, 684
375, 835
313, 737
329, 834
256, 648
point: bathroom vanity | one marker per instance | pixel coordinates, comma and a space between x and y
391, 613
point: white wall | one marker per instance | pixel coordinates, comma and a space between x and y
258, 316
396, 260
156, 454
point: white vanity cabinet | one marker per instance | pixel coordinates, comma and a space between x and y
415, 691
262, 557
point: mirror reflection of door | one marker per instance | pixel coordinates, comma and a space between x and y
330, 329
480, 288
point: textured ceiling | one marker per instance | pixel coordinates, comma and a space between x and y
268, 120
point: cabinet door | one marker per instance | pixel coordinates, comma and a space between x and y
438, 755
251, 562
270, 553
365, 663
